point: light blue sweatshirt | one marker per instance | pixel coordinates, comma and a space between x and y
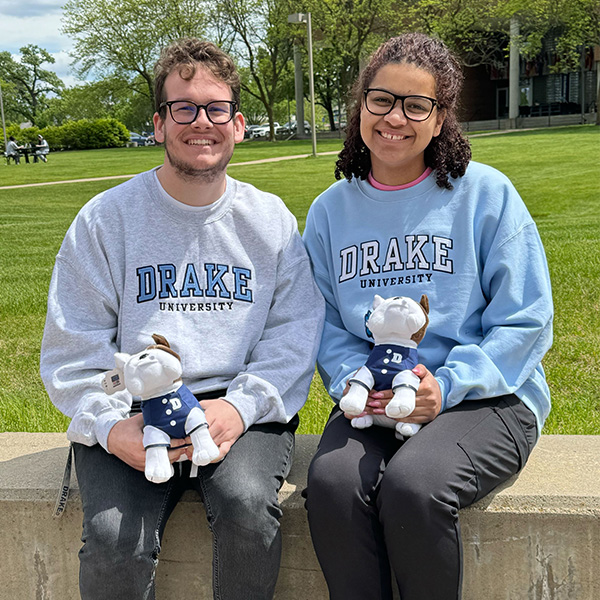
474, 250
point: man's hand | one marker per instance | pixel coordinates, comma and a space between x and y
224, 423
125, 440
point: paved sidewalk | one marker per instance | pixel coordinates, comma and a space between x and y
239, 164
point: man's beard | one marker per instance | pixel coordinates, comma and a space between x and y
189, 173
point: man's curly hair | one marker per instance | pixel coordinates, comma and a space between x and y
448, 153
185, 56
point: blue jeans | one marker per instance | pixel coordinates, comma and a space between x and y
125, 516
379, 508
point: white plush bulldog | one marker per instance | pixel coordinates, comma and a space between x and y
397, 325
170, 409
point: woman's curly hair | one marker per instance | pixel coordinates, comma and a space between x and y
448, 153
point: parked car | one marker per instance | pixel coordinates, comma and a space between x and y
290, 127
263, 130
150, 139
249, 129
136, 138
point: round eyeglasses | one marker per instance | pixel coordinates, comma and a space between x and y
185, 112
381, 102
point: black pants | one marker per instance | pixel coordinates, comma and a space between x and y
374, 501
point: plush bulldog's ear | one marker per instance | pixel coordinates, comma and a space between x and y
161, 340
135, 386
173, 370
162, 344
121, 358
425, 303
377, 300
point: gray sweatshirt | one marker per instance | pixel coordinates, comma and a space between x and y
229, 285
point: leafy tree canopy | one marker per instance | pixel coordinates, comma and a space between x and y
30, 81
124, 37
259, 38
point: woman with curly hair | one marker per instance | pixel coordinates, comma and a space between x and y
415, 216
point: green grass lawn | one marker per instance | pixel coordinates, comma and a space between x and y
557, 172
63, 166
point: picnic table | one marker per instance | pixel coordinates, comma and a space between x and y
26, 151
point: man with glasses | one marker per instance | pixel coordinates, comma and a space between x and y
219, 269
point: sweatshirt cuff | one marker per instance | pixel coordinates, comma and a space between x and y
254, 398
245, 405
104, 423
443, 392
337, 392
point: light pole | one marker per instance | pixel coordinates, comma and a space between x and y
305, 18
299, 92
514, 88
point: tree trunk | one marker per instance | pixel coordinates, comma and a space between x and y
271, 127
329, 108
598, 92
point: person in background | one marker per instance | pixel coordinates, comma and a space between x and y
12, 150
41, 149
218, 268
414, 215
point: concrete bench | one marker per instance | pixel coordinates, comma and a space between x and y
536, 539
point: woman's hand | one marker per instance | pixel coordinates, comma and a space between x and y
428, 402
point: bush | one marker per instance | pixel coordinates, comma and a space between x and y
75, 135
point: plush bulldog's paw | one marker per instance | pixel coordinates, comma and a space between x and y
158, 467
205, 450
397, 410
362, 422
407, 429
354, 402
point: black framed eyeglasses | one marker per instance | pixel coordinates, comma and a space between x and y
185, 112
416, 108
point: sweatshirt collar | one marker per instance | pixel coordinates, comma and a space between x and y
185, 213
424, 186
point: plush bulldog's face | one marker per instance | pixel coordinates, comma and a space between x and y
148, 372
396, 318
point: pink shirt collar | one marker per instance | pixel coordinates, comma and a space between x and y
392, 188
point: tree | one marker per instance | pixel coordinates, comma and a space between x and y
478, 30
574, 26
12, 111
345, 32
123, 38
331, 82
251, 106
106, 98
474, 29
31, 82
262, 45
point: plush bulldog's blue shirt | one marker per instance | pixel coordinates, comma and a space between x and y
169, 413
387, 360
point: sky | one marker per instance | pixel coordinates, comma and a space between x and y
37, 22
